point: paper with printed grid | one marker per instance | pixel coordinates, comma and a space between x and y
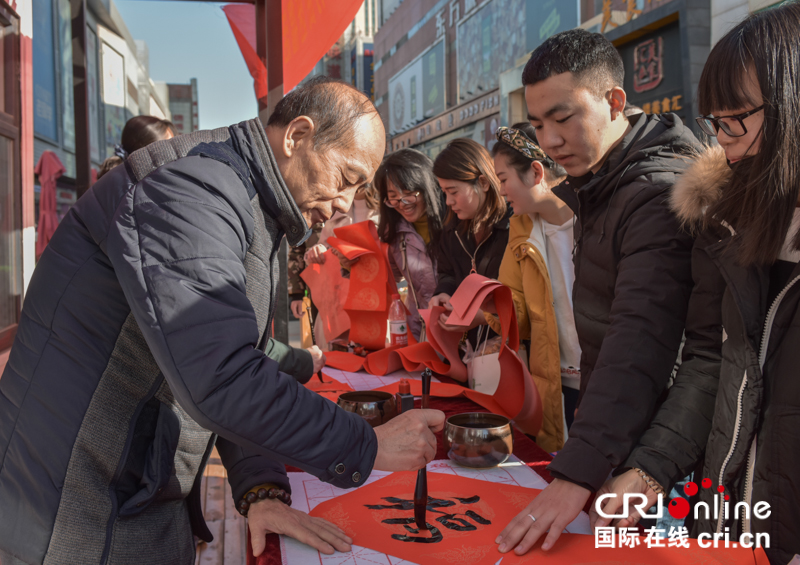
308, 492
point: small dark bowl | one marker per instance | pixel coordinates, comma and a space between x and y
374, 406
478, 440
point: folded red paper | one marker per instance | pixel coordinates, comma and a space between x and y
371, 283
516, 396
329, 290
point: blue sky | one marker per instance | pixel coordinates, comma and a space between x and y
193, 40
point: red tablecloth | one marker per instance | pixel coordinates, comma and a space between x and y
524, 448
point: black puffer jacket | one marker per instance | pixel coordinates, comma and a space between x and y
142, 336
457, 250
736, 397
632, 286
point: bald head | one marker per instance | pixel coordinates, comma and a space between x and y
334, 106
328, 141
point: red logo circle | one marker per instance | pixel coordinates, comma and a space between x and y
690, 489
678, 508
720, 488
706, 483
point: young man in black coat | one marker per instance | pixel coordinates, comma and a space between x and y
632, 263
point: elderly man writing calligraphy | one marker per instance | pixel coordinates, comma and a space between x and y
142, 341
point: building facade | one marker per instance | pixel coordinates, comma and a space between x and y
183, 106
37, 114
119, 82
17, 235
438, 64
351, 57
453, 68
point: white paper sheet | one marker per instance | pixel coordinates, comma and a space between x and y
308, 492
365, 381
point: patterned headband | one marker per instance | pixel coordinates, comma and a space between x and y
517, 139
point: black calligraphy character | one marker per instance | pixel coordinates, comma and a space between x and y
449, 521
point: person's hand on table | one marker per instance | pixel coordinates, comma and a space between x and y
274, 517
318, 357
554, 509
297, 309
316, 254
406, 442
344, 262
629, 481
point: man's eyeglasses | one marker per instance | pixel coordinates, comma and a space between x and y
731, 125
406, 200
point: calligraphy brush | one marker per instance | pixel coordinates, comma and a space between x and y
421, 490
313, 337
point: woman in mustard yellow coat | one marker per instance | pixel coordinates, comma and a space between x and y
537, 266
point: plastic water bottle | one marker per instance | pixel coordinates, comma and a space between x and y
398, 327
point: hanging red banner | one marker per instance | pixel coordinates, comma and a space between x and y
310, 28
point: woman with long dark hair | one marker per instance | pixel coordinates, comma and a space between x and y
733, 413
476, 226
139, 131
411, 214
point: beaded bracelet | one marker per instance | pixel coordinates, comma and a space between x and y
654, 486
262, 493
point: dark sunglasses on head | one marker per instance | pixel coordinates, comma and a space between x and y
733, 126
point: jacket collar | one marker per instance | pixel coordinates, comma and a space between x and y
700, 186
650, 146
404, 226
250, 142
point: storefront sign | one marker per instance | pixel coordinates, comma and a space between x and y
615, 11
113, 95
648, 64
481, 108
417, 92
653, 71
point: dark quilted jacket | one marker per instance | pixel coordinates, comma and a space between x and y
632, 286
141, 338
735, 402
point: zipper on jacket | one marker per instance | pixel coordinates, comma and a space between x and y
472, 256
580, 228
762, 357
407, 274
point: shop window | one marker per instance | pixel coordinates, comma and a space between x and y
10, 185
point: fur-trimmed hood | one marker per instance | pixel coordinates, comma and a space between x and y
700, 185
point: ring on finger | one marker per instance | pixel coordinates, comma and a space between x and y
532, 517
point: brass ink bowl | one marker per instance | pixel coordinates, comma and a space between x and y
374, 406
478, 440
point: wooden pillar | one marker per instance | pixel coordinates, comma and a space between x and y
274, 53
83, 158
261, 49
269, 38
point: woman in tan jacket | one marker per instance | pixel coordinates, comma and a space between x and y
537, 266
